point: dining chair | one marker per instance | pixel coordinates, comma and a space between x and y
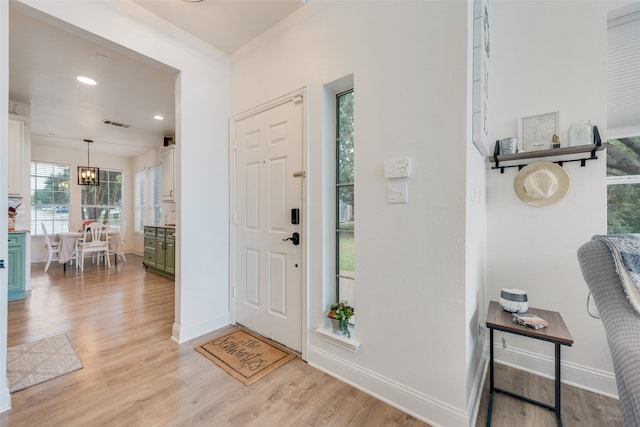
52, 245
94, 240
117, 248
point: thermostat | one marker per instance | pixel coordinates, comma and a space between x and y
399, 168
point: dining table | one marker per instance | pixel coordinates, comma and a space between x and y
68, 241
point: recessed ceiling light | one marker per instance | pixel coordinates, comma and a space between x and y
86, 80
158, 117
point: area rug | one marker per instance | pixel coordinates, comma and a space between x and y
245, 355
39, 361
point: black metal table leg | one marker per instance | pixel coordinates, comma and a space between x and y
558, 383
491, 388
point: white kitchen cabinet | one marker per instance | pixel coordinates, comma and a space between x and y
16, 155
168, 175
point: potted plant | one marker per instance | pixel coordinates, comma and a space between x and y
340, 313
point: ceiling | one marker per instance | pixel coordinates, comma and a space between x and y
46, 55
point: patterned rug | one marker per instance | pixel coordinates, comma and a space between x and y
244, 355
36, 362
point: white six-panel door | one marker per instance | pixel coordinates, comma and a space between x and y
268, 278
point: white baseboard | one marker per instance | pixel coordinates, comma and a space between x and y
473, 406
5, 397
413, 402
183, 334
573, 374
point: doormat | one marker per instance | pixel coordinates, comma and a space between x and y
39, 361
244, 355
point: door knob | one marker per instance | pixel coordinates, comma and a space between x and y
295, 238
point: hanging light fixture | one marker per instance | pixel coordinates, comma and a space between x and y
86, 174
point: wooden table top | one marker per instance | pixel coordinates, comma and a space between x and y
556, 332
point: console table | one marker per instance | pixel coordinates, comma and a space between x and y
556, 333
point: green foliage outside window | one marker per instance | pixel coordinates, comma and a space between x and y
345, 198
50, 195
103, 202
623, 196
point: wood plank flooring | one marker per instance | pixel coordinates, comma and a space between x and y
580, 408
119, 322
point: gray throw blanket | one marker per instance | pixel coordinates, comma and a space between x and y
625, 249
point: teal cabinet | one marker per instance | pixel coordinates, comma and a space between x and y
159, 250
16, 272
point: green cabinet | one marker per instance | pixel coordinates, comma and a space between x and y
17, 255
150, 246
159, 249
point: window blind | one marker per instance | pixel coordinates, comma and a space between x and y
139, 196
623, 75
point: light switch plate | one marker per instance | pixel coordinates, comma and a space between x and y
399, 168
397, 193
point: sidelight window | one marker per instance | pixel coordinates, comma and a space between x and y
345, 198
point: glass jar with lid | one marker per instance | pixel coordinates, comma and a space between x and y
580, 133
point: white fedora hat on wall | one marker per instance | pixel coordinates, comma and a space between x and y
541, 183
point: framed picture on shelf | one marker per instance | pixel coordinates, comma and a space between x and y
537, 132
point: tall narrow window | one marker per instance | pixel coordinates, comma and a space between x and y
156, 200
345, 212
103, 202
49, 197
140, 193
148, 209
623, 124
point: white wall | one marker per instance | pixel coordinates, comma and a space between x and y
549, 56
5, 397
410, 101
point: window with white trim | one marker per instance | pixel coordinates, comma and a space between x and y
155, 217
148, 202
138, 214
345, 203
49, 197
103, 203
623, 123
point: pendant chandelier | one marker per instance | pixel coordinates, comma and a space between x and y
86, 174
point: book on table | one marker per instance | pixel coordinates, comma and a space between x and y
529, 320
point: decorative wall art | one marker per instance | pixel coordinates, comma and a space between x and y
481, 50
537, 132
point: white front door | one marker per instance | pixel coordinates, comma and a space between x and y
268, 268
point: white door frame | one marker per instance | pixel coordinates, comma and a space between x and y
290, 97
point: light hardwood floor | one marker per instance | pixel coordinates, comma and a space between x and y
119, 321
580, 408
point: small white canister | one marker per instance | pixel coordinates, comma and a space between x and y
580, 133
514, 300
